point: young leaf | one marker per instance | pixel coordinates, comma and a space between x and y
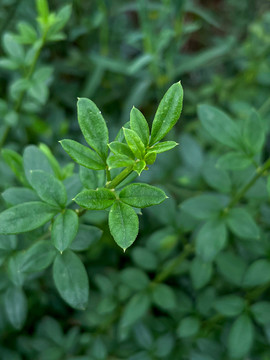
240, 337
150, 158
254, 132
18, 195
234, 160
48, 188
71, 279
93, 126
168, 113
117, 161
15, 306
139, 124
82, 155
142, 195
124, 224
162, 147
64, 229
211, 239
119, 148
135, 143
242, 224
139, 166
99, 199
25, 217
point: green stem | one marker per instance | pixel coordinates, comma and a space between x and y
259, 172
119, 178
165, 273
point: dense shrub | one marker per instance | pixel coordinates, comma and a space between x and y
195, 283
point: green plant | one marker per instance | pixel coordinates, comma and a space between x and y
46, 196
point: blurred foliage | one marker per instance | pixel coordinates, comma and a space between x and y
190, 287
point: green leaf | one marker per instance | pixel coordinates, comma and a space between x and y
150, 158
35, 159
93, 126
124, 224
234, 161
99, 199
135, 309
48, 188
64, 229
71, 279
52, 160
135, 143
164, 297
215, 177
121, 149
242, 224
168, 113
240, 337
12, 47
117, 161
211, 239
144, 258
92, 179
254, 132
203, 206
142, 195
15, 162
139, 124
139, 166
37, 258
134, 278
219, 125
82, 155
86, 236
261, 312
188, 327
258, 273
162, 147
232, 267
18, 195
229, 305
16, 307
25, 217
201, 272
